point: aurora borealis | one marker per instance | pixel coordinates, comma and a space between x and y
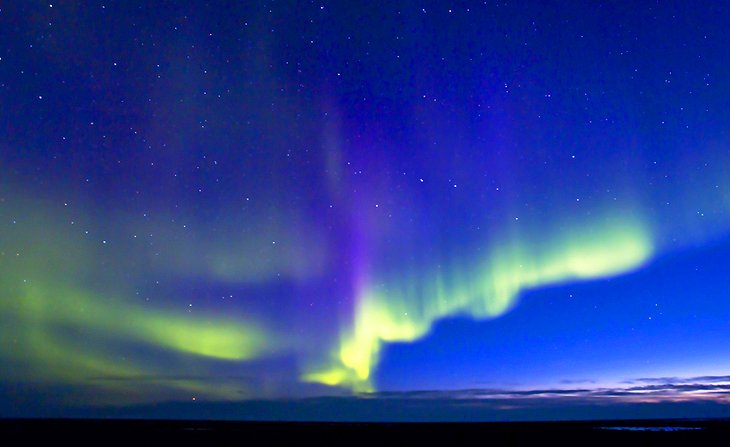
244, 201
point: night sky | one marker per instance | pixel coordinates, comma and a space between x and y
516, 205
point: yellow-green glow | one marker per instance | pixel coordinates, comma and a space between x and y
67, 317
71, 336
208, 337
406, 312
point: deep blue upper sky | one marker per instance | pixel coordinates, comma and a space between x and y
238, 201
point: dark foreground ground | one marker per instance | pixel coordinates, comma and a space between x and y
82, 431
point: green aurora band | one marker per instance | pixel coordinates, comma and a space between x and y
73, 337
405, 312
57, 327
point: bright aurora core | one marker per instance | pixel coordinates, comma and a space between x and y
290, 201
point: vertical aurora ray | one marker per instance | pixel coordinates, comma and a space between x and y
405, 311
